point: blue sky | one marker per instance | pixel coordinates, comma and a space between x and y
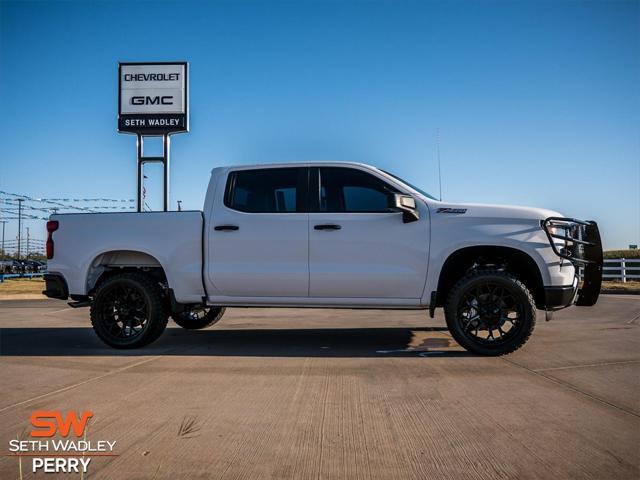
537, 103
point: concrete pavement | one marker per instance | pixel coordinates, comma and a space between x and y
284, 393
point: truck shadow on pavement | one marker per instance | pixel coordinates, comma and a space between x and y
315, 342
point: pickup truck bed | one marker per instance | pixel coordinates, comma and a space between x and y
171, 239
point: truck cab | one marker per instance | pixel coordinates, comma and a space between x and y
313, 234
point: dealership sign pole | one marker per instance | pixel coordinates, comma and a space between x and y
153, 102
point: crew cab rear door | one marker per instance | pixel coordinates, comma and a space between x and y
258, 238
358, 247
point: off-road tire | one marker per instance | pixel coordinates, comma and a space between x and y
191, 322
137, 289
466, 288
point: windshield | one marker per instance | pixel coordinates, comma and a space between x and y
411, 186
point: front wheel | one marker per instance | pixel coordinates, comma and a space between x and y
196, 318
490, 312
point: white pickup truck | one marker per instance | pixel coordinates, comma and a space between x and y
323, 235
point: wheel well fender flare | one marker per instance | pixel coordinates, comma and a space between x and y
119, 260
519, 262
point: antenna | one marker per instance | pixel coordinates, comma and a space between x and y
438, 156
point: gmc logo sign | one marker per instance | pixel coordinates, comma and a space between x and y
158, 100
152, 98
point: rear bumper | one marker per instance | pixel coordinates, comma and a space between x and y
56, 286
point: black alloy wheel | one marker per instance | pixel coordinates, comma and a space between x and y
490, 312
128, 310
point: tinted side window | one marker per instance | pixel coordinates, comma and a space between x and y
265, 190
350, 190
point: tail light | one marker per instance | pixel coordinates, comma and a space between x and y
52, 226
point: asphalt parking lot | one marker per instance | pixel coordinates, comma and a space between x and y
284, 393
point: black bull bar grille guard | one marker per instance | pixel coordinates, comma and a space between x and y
579, 242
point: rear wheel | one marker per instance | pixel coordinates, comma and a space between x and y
128, 310
196, 318
490, 312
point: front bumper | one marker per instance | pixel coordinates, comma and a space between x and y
56, 286
582, 246
560, 297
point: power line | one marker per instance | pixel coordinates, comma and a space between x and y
14, 206
122, 200
116, 200
49, 209
28, 207
11, 241
32, 199
58, 203
20, 214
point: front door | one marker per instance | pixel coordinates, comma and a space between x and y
358, 247
258, 243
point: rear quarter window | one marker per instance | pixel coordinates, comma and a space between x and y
266, 190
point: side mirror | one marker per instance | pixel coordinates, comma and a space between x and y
407, 205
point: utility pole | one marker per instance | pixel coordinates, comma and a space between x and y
20, 200
28, 243
3, 252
